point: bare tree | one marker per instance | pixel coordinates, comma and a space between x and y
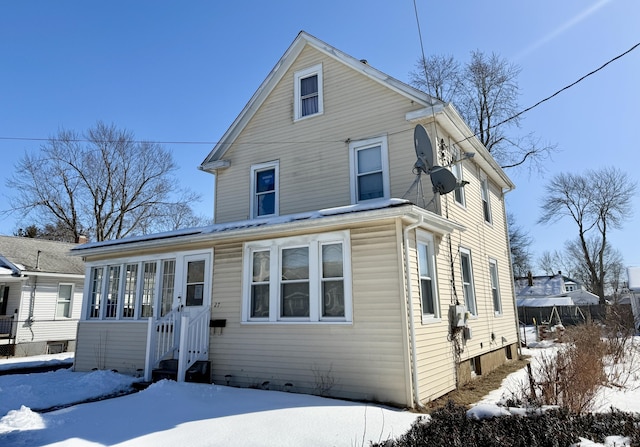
597, 201
571, 262
485, 91
104, 183
520, 243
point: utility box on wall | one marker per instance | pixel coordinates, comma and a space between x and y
458, 314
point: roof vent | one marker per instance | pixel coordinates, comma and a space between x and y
364, 61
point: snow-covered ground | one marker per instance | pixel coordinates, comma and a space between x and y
198, 415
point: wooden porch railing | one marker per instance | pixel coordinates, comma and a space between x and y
177, 333
194, 341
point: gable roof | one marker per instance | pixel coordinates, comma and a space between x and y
28, 255
452, 120
212, 161
542, 285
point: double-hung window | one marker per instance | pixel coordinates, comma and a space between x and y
369, 169
495, 291
298, 279
467, 281
308, 92
426, 269
63, 304
486, 204
264, 189
456, 169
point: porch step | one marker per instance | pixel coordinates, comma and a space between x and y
200, 371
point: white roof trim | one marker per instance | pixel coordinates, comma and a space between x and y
393, 208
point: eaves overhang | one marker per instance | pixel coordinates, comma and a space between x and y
313, 221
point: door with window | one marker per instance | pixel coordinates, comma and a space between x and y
195, 284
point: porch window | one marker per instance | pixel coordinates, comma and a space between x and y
113, 286
168, 281
95, 292
130, 290
63, 304
148, 289
467, 281
4, 299
299, 279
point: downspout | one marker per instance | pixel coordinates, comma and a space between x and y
412, 329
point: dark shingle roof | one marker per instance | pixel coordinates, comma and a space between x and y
40, 255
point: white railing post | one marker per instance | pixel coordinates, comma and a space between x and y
183, 352
151, 342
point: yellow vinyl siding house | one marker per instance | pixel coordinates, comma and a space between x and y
332, 268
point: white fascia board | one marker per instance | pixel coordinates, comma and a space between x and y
411, 213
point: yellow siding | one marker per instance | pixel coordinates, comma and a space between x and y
366, 358
314, 153
111, 345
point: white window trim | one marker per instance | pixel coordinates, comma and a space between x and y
494, 263
297, 102
275, 165
73, 286
275, 247
354, 147
104, 265
467, 252
485, 193
426, 239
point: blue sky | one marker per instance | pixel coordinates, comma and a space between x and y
182, 71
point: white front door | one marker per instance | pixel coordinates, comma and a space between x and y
194, 291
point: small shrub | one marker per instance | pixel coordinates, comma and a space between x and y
572, 376
450, 427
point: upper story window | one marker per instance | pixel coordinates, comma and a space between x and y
456, 169
264, 189
486, 204
467, 281
63, 304
308, 92
369, 169
426, 269
495, 291
298, 279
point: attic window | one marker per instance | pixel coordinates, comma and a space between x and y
308, 92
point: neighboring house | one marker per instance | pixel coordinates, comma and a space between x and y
537, 296
317, 277
41, 289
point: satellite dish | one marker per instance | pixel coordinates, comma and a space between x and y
424, 151
443, 180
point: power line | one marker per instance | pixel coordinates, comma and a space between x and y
210, 143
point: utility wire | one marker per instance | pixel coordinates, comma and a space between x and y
80, 140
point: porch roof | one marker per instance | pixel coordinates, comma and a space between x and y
379, 209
